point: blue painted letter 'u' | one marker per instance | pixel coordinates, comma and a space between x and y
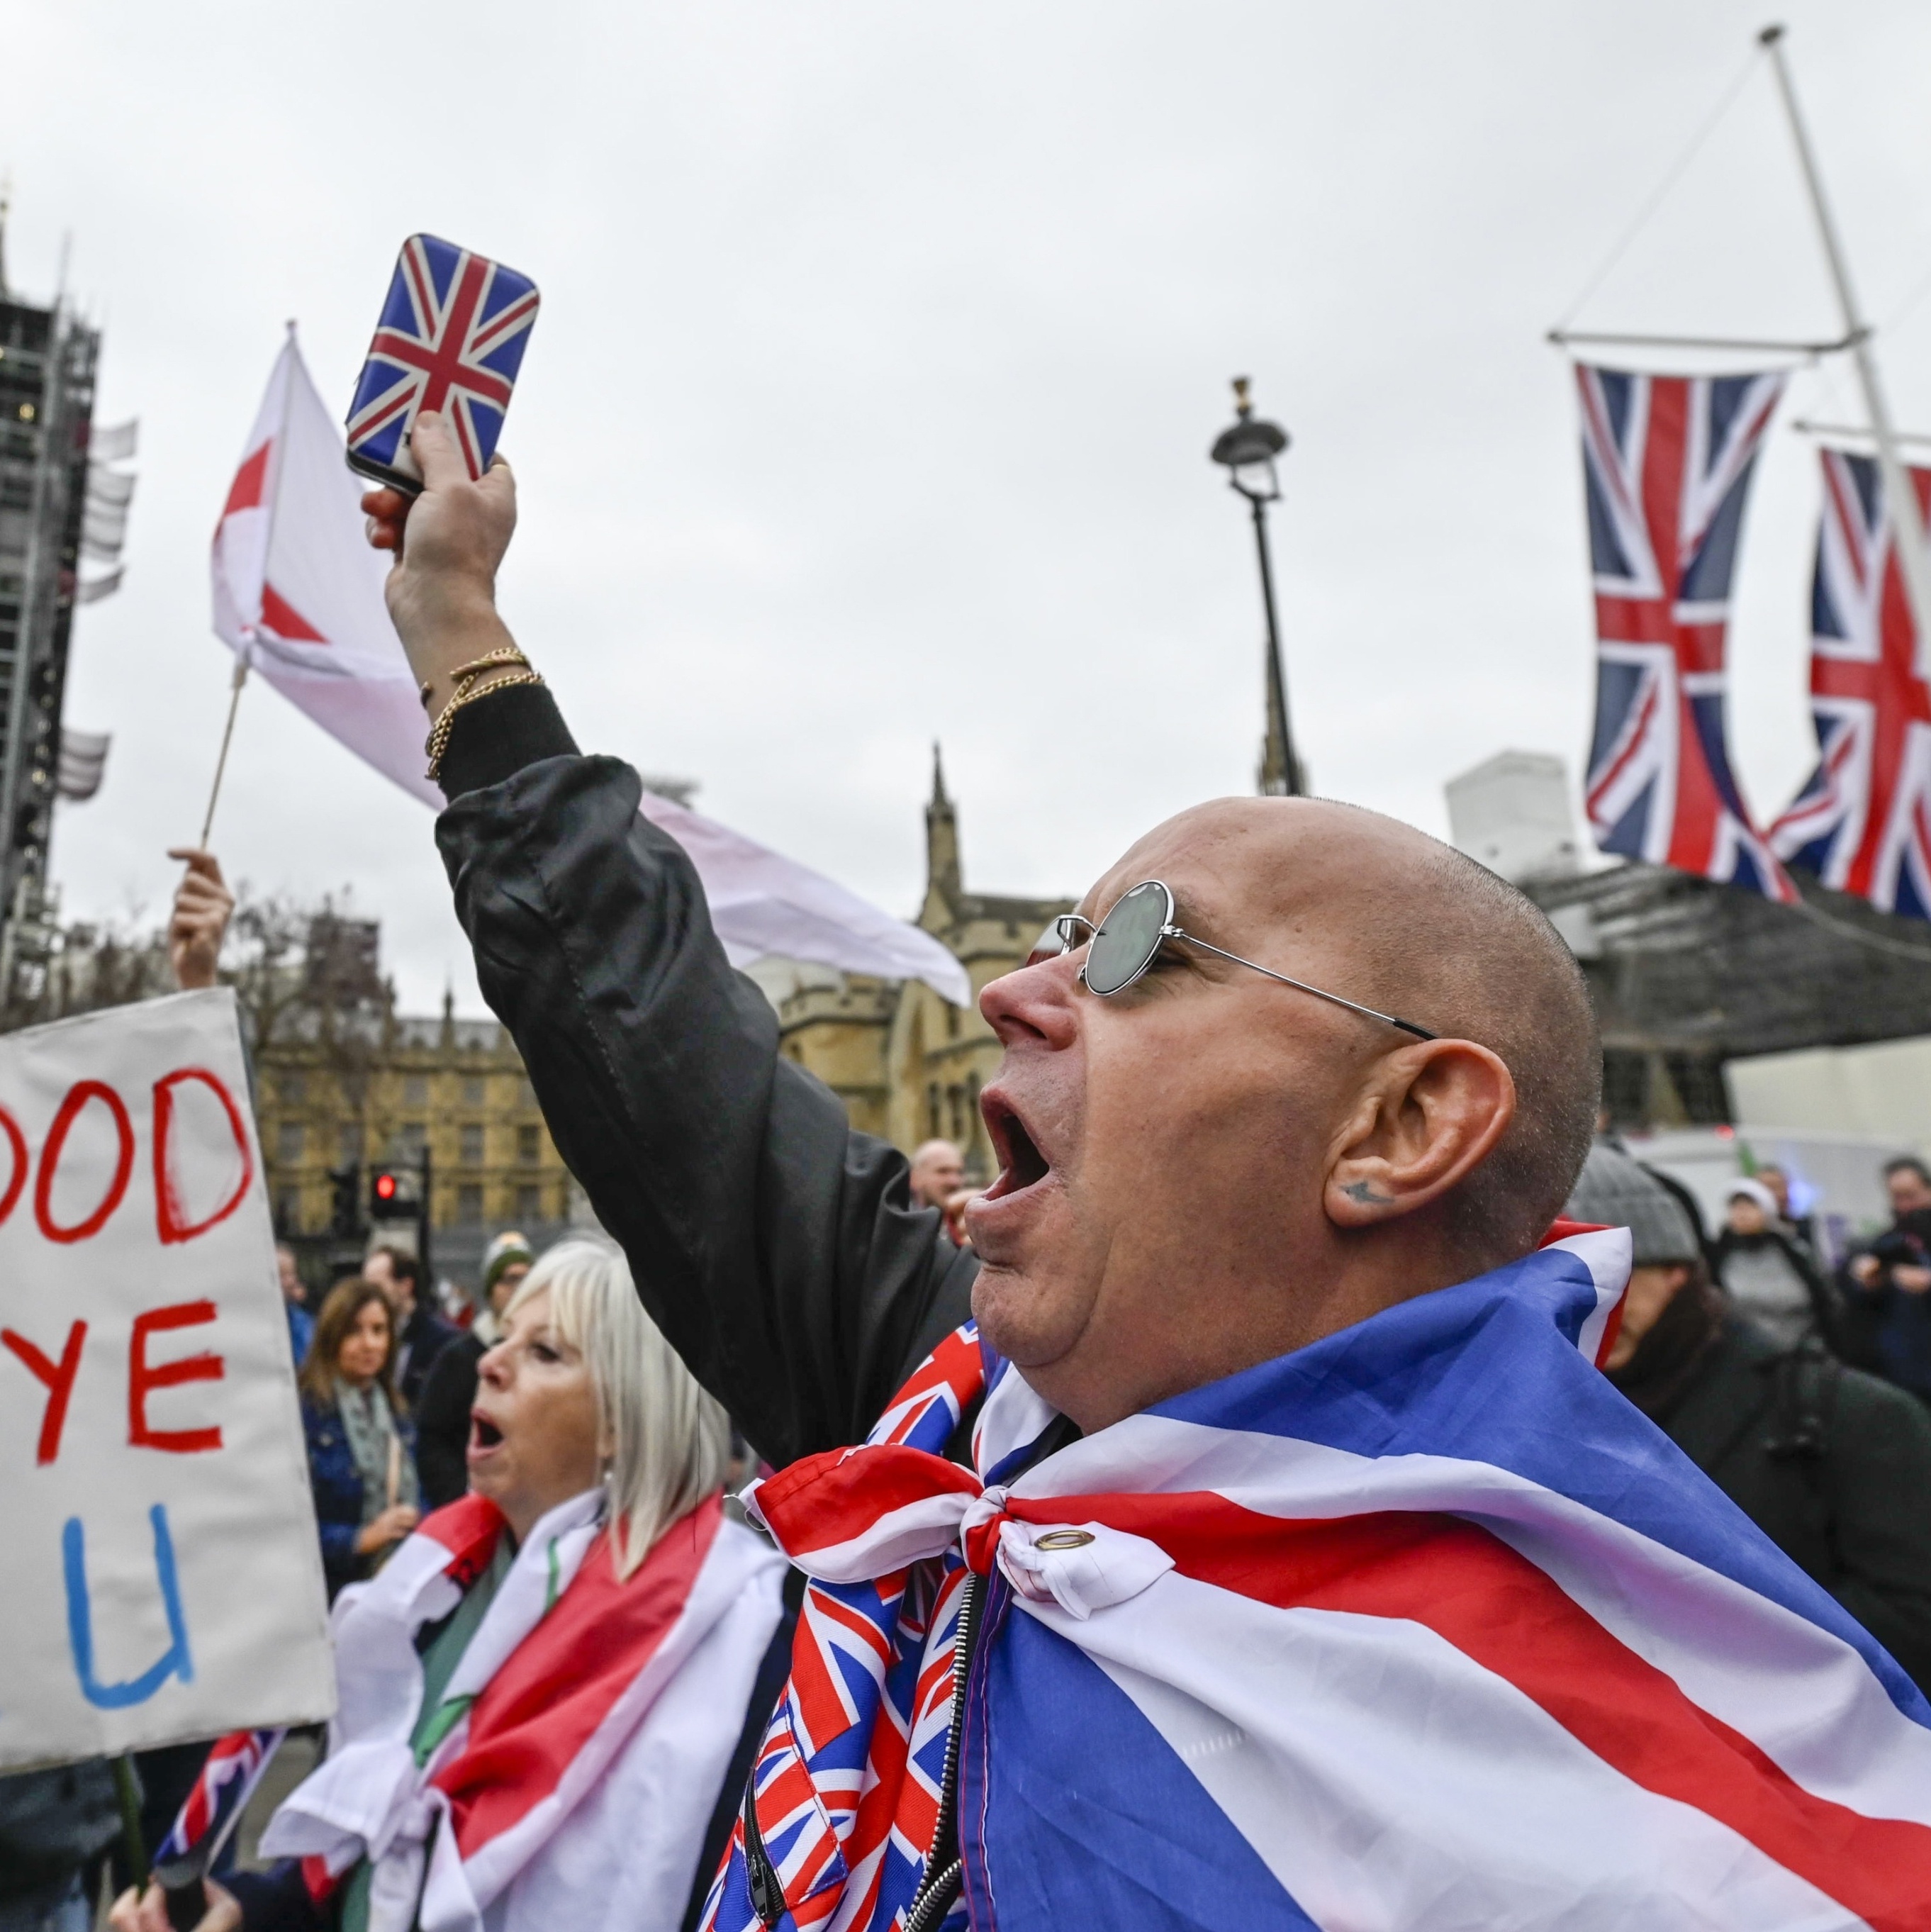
174, 1661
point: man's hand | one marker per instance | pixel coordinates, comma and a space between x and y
448, 542
148, 1912
1865, 1270
1912, 1279
203, 907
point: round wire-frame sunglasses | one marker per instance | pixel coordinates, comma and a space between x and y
1127, 941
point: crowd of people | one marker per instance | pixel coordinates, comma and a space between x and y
1283, 1403
1758, 1366
558, 1407
589, 1547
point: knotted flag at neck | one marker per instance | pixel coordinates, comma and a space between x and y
468, 1817
1422, 1626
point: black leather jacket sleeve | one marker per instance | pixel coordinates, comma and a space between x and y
777, 1249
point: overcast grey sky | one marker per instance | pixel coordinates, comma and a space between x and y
880, 350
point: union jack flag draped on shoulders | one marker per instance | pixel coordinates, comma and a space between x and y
1863, 821
1667, 461
1423, 1626
451, 338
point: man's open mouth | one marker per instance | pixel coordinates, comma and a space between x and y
1020, 1162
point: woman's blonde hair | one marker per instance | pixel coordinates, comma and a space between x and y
670, 1441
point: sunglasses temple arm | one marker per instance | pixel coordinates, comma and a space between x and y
1301, 986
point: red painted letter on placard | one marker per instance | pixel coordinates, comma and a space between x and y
17, 1149
171, 1219
78, 1096
142, 1379
58, 1377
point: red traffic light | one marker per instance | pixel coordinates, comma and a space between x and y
385, 1187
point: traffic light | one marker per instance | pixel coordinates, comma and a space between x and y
395, 1192
346, 1184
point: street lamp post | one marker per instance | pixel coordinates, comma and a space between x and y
1246, 450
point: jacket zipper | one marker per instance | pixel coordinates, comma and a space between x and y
767, 1895
941, 1884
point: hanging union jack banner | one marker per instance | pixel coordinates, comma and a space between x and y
1667, 461
1863, 821
451, 338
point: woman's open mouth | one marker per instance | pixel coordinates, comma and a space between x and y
485, 1435
1021, 1164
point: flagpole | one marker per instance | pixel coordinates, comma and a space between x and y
1914, 567
241, 662
228, 732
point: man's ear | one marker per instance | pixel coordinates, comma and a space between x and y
1427, 1117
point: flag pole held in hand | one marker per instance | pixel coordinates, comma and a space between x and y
227, 733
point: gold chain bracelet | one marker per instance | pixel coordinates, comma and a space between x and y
467, 680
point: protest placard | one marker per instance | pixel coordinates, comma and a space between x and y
164, 1579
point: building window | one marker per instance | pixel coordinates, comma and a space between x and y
528, 1204
1625, 1087
416, 1090
288, 1211
933, 1126
1699, 1084
525, 1094
288, 1140
955, 1099
348, 1142
412, 1139
470, 1206
529, 1146
293, 1088
952, 1020
472, 1144
475, 1089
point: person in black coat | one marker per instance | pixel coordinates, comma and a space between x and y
421, 1334
449, 1389
1832, 1464
1887, 1284
55, 1824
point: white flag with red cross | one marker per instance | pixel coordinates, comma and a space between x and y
298, 592
299, 598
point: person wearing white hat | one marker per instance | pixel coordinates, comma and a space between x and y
442, 1410
1764, 1273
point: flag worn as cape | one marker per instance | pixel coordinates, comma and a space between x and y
577, 1754
1423, 1628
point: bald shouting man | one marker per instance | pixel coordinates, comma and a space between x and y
1272, 1553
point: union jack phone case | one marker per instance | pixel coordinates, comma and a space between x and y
450, 338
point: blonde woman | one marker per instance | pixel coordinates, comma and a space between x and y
542, 1692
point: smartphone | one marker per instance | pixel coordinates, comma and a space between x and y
451, 337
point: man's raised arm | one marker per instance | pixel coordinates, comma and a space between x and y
779, 1250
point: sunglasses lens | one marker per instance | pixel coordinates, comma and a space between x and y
1128, 938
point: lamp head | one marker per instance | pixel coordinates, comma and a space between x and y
1247, 448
